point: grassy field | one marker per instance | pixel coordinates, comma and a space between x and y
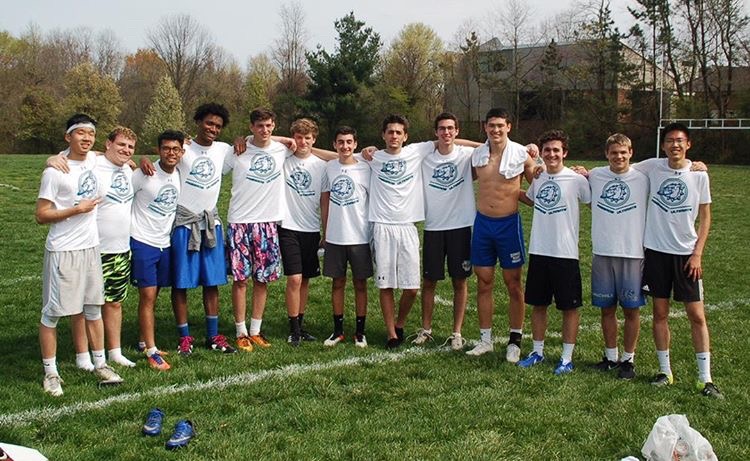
347, 403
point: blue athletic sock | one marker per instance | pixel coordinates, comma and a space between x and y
183, 330
212, 326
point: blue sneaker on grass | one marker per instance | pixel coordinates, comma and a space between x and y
183, 433
154, 419
561, 369
531, 360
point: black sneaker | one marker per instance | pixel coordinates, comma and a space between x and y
306, 336
626, 370
294, 340
400, 335
393, 343
606, 365
710, 390
219, 343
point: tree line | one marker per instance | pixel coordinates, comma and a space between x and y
701, 46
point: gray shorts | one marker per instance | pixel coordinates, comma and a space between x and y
71, 280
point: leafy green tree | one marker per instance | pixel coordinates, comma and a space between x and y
41, 124
164, 113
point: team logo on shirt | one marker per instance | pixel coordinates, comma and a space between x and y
615, 196
165, 202
445, 177
263, 169
671, 196
342, 191
202, 173
87, 186
299, 180
119, 188
394, 172
548, 198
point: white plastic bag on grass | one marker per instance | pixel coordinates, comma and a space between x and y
672, 439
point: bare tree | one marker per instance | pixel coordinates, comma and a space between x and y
289, 48
186, 48
108, 54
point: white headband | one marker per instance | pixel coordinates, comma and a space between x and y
80, 125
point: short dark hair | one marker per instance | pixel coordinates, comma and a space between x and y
171, 135
261, 113
79, 118
497, 112
675, 126
554, 135
395, 118
344, 129
212, 108
446, 116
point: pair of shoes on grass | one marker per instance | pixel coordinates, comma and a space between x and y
184, 430
52, 383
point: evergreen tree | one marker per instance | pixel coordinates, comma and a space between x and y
164, 113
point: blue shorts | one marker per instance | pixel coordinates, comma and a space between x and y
498, 238
150, 265
207, 267
616, 279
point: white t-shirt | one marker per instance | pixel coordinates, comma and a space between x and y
257, 184
618, 212
65, 190
674, 200
154, 206
348, 203
396, 195
113, 214
304, 179
200, 176
554, 229
448, 189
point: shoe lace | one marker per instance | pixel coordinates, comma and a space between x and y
450, 339
154, 418
182, 429
186, 342
221, 341
156, 357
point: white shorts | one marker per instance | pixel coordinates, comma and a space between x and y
396, 256
70, 280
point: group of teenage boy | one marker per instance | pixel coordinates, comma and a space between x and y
159, 226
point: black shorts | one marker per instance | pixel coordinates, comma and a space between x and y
299, 252
558, 277
359, 258
664, 272
453, 244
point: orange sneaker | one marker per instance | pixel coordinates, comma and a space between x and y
157, 362
244, 343
260, 340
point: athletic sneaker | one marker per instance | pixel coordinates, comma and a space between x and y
157, 362
244, 343
306, 336
457, 341
185, 346
626, 370
662, 379
183, 433
260, 340
294, 340
107, 376
531, 360
710, 390
481, 348
561, 369
512, 353
53, 385
393, 343
360, 341
154, 420
333, 340
605, 364
422, 337
219, 343
400, 334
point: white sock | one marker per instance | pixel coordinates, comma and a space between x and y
485, 334
428, 331
628, 357
517, 330
83, 361
255, 326
611, 354
567, 353
664, 365
115, 355
99, 359
151, 351
241, 328
50, 366
704, 366
538, 347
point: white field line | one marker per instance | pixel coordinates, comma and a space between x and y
9, 186
442, 301
17, 280
27, 417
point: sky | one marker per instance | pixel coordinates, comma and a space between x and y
246, 28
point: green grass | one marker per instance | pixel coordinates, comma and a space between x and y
347, 403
